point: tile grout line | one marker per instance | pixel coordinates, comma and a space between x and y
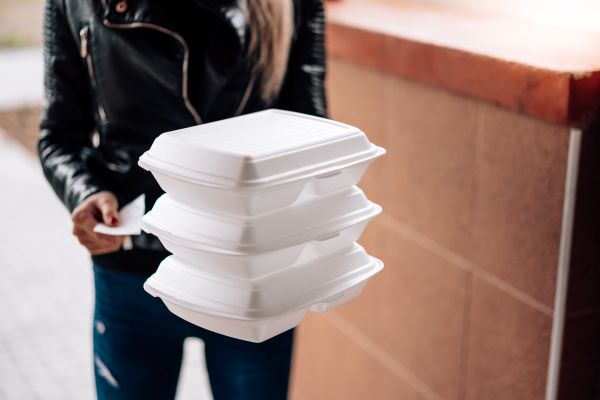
466, 336
348, 329
466, 323
564, 255
426, 242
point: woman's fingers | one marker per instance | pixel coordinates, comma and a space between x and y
97, 245
108, 208
102, 205
104, 247
83, 221
109, 238
99, 238
86, 236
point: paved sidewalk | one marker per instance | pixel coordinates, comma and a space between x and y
21, 78
46, 294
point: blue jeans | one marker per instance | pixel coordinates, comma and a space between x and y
138, 348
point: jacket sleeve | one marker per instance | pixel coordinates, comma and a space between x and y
303, 89
67, 118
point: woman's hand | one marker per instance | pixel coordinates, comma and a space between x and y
100, 207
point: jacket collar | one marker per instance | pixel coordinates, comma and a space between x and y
231, 12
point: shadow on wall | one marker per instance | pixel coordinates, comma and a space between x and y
580, 368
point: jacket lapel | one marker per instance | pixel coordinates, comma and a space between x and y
156, 12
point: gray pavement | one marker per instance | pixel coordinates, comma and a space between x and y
21, 77
46, 293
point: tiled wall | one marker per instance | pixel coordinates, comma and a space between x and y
470, 233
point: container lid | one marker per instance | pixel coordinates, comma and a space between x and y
309, 218
303, 286
259, 149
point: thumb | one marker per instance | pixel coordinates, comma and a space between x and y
108, 208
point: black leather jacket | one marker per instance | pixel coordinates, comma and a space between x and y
117, 74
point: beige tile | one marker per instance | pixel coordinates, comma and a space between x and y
356, 97
329, 366
520, 176
374, 238
508, 347
430, 136
414, 310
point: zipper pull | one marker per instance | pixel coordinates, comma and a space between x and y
83, 36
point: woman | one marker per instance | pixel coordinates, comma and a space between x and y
119, 73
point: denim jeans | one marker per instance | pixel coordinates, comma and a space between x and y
138, 348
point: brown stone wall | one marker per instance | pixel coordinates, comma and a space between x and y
472, 198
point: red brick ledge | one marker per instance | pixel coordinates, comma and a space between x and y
541, 70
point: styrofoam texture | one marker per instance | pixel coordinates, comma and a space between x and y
258, 149
246, 297
251, 330
258, 162
253, 201
253, 266
260, 328
310, 218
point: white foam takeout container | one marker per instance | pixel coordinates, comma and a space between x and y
249, 247
258, 162
258, 309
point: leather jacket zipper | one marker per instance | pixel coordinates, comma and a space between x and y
251, 81
246, 95
186, 54
85, 53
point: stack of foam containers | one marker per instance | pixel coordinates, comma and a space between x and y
261, 213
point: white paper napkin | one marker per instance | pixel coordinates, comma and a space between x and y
130, 218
